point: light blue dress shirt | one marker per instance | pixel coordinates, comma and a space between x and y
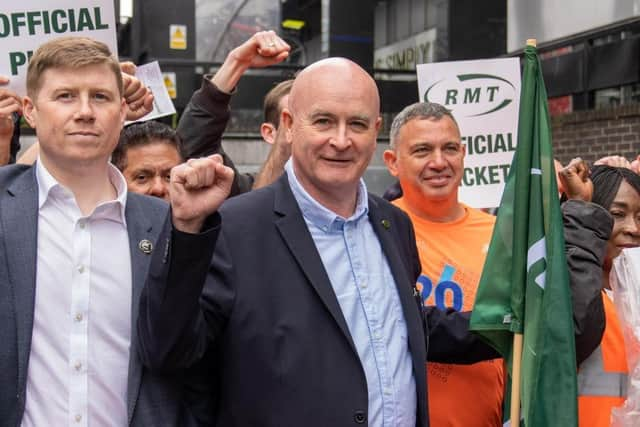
367, 294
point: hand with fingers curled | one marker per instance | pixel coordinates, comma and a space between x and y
262, 49
576, 181
197, 188
138, 97
7, 127
635, 164
10, 102
613, 161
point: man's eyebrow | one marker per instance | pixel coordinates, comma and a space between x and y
70, 86
418, 145
65, 88
142, 169
102, 89
320, 113
317, 113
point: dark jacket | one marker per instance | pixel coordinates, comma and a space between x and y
587, 228
201, 127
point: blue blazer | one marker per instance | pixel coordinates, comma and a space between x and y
153, 400
265, 307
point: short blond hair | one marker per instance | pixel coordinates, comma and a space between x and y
71, 52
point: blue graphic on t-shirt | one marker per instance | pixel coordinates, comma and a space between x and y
445, 284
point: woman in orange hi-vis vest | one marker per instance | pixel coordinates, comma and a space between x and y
602, 377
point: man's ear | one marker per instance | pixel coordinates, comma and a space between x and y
28, 110
390, 158
378, 123
286, 121
268, 132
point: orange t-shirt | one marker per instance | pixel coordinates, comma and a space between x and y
452, 256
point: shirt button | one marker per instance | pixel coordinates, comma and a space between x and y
387, 391
363, 284
81, 269
78, 366
78, 418
79, 317
376, 335
82, 224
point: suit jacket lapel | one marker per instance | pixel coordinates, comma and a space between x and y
294, 232
20, 223
139, 228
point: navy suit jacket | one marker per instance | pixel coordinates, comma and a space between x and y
153, 400
266, 308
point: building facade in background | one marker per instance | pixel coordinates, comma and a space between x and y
590, 53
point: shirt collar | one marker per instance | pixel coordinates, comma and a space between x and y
48, 187
320, 216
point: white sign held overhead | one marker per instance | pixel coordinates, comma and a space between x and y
484, 97
27, 24
151, 76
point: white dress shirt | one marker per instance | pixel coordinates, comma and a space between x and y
78, 365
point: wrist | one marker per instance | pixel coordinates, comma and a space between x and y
228, 76
191, 226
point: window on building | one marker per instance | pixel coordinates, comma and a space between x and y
620, 95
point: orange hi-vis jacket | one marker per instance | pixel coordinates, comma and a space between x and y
602, 377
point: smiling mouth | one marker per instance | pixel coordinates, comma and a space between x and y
340, 161
438, 179
83, 133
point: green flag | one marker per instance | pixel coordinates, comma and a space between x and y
524, 286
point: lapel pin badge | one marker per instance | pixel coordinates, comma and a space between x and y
386, 223
145, 246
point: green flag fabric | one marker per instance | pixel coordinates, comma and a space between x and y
524, 286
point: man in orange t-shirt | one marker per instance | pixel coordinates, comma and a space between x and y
427, 157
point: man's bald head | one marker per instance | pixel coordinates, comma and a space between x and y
333, 69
